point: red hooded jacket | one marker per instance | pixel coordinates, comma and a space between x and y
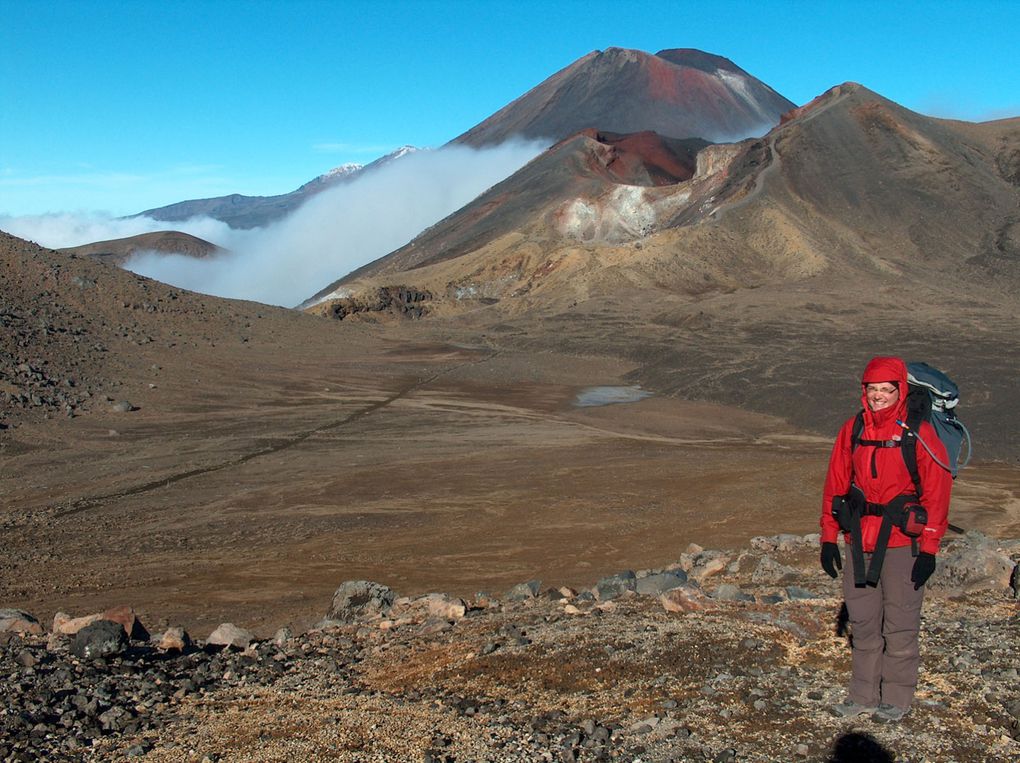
848, 465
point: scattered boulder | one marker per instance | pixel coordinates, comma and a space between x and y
230, 635
67, 625
524, 591
771, 572
615, 585
126, 616
744, 564
730, 592
122, 406
174, 639
99, 640
360, 600
704, 564
687, 598
433, 605
783, 543
660, 582
18, 621
973, 564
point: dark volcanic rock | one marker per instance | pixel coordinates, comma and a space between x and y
101, 639
660, 582
524, 591
616, 585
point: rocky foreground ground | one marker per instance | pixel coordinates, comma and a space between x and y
724, 656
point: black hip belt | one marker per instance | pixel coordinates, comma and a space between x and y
903, 511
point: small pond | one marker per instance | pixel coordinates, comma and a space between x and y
594, 396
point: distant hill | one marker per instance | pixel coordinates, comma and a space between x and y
245, 212
118, 251
679, 93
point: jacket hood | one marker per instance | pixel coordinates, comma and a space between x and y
885, 369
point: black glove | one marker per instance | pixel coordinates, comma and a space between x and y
924, 566
830, 559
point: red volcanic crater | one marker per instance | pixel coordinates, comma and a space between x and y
644, 158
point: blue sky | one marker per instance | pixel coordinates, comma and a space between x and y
122, 106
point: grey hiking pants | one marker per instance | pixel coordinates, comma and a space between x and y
884, 622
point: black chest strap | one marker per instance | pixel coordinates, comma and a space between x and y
907, 445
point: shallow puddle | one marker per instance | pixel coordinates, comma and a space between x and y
593, 396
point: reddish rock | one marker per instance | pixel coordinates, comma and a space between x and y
685, 599
66, 625
407, 610
126, 616
18, 621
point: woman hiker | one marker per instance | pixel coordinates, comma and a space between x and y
892, 524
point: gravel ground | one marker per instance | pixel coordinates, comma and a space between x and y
745, 673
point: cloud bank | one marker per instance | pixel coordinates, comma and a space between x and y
60, 230
335, 232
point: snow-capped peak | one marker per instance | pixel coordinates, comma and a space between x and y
342, 171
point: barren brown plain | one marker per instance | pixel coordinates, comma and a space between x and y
247, 486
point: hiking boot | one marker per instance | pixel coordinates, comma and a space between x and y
850, 708
889, 713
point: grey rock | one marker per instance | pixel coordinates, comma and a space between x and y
769, 571
101, 639
360, 599
122, 406
615, 585
729, 592
524, 591
653, 585
784, 542
974, 564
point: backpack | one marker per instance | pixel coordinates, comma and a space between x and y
934, 397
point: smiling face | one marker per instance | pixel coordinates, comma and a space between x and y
881, 395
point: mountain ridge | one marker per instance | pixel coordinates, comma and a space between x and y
246, 212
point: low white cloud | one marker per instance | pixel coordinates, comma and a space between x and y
335, 232
64, 229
